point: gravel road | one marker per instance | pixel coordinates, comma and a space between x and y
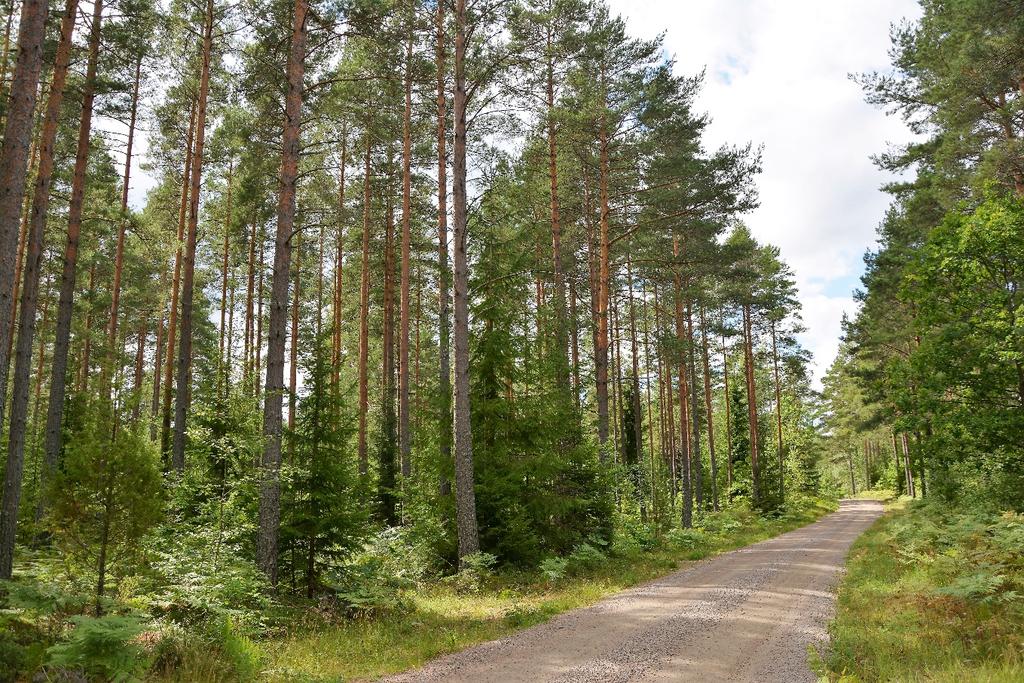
747, 615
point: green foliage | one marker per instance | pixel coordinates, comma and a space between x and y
474, 572
106, 497
554, 569
369, 588
104, 647
323, 521
932, 593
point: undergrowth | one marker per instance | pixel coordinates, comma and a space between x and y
386, 610
932, 594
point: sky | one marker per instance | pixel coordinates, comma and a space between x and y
777, 75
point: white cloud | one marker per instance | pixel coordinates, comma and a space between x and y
777, 75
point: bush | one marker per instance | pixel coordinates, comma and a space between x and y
686, 539
369, 589
101, 647
476, 570
588, 555
554, 568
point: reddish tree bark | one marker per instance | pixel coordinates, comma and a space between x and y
37, 219
404, 436
443, 345
14, 155
172, 320
115, 292
65, 302
183, 393
364, 315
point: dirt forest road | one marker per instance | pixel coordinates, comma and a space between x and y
747, 615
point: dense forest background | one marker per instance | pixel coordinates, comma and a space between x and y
428, 288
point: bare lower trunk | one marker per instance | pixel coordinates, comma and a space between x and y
404, 437
748, 349
270, 485
172, 320
728, 413
225, 363
603, 284
465, 498
708, 409
696, 457
293, 348
183, 393
14, 155
339, 265
65, 303
562, 369
115, 293
32, 268
443, 347
778, 415
684, 423
364, 315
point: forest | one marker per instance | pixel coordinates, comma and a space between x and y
431, 305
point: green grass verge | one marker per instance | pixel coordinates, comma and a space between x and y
931, 594
441, 620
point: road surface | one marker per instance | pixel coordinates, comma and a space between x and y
746, 615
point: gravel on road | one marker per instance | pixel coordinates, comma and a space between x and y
746, 615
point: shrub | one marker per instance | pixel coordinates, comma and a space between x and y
369, 588
476, 570
554, 568
102, 647
587, 555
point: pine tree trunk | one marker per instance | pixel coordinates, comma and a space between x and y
696, 457
14, 155
257, 347
562, 371
728, 413
908, 468
270, 484
650, 410
172, 320
339, 264
224, 364
22, 248
603, 284
30, 294
6, 49
83, 384
140, 358
638, 423
574, 346
386, 466
684, 403
250, 286
709, 409
404, 437
443, 346
748, 350
183, 390
364, 317
465, 497
115, 293
65, 303
778, 415
158, 351
293, 347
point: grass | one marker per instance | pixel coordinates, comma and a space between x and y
931, 594
441, 620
